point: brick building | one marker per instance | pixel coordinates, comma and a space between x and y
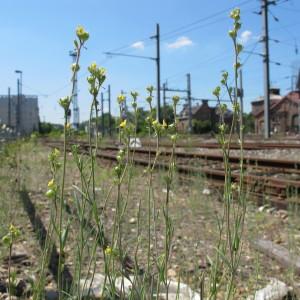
201, 112
22, 116
284, 112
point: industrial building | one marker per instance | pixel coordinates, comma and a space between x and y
21, 113
284, 112
203, 113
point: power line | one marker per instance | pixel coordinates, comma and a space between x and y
221, 12
164, 36
187, 27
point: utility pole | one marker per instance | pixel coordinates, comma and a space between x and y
266, 60
102, 114
109, 116
19, 99
189, 100
157, 37
164, 101
156, 59
18, 107
74, 99
297, 88
9, 109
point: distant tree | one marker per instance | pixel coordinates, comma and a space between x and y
249, 122
48, 128
202, 126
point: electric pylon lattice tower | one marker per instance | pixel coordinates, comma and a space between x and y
74, 98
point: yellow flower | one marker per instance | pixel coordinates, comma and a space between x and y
14, 231
82, 34
123, 124
51, 184
56, 152
154, 123
121, 98
108, 250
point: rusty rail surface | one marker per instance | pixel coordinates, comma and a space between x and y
257, 185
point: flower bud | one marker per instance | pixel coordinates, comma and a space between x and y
149, 99
216, 91
239, 48
121, 98
108, 250
232, 33
90, 80
6, 240
222, 127
134, 95
237, 26
92, 68
50, 193
235, 14
173, 138
175, 100
93, 91
223, 108
237, 65
75, 67
51, 184
225, 75
64, 103
123, 124
150, 89
82, 34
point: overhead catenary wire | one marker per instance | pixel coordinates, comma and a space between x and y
187, 28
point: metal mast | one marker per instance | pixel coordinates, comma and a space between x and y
265, 39
74, 99
189, 101
157, 36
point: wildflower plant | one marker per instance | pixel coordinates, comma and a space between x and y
231, 222
146, 280
8, 240
65, 102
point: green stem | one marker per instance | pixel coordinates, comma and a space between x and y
61, 203
9, 271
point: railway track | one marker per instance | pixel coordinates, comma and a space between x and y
274, 179
248, 145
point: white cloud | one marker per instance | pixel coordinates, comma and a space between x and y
246, 36
182, 41
138, 45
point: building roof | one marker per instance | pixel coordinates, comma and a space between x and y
185, 111
273, 97
293, 96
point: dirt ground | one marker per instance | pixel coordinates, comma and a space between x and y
193, 213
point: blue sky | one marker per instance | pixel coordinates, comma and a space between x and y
36, 37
